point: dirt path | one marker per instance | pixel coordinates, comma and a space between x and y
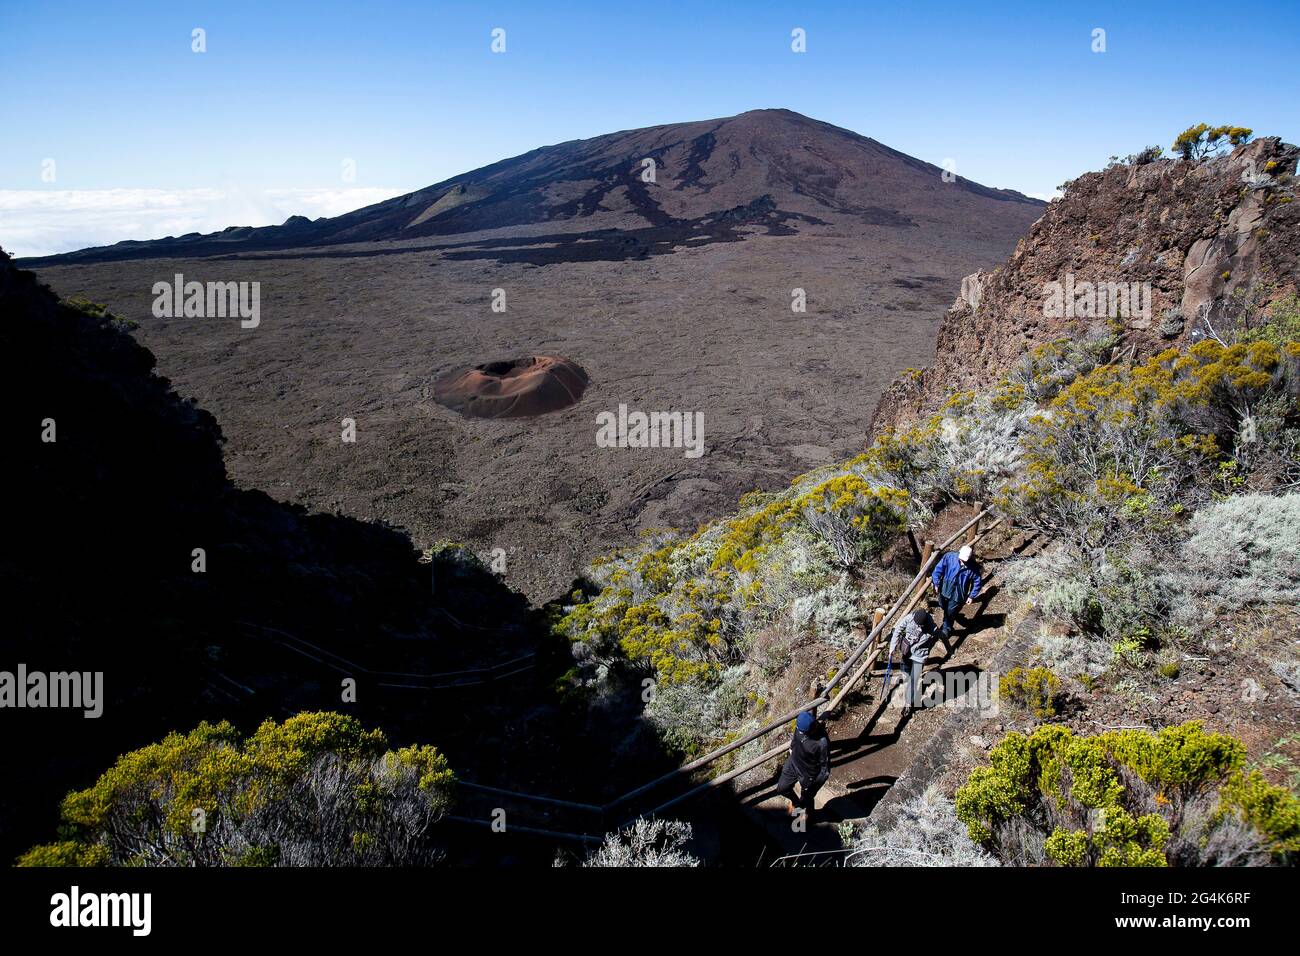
870, 745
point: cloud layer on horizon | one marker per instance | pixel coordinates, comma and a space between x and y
43, 222
46, 222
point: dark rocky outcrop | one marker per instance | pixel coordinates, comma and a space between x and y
1200, 233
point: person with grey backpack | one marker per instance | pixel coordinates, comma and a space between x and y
913, 637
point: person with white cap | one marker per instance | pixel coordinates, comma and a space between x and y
958, 583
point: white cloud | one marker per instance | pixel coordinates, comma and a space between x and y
42, 222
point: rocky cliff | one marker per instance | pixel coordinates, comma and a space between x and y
1189, 247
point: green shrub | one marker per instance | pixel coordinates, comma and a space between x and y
1118, 454
1036, 690
1243, 551
66, 853
1280, 325
1273, 811
1148, 155
1128, 651
317, 789
1121, 798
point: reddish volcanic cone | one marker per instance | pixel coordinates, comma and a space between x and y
519, 388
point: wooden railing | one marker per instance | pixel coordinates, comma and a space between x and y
859, 663
848, 675
872, 645
398, 680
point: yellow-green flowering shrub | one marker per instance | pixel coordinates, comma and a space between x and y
1121, 448
1123, 798
317, 789
1035, 689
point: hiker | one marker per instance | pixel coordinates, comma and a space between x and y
913, 637
809, 764
958, 584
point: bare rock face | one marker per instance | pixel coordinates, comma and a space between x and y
971, 289
1197, 234
1203, 270
518, 388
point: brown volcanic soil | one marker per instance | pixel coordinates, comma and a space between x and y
673, 296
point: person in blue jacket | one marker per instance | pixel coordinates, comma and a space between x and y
957, 583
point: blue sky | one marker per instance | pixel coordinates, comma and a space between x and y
147, 135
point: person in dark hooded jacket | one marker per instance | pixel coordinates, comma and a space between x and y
809, 764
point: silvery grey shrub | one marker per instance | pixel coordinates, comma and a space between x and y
1242, 551
925, 832
646, 843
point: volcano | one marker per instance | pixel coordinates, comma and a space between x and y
768, 272
649, 191
519, 388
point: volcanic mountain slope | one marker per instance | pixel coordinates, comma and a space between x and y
677, 295
773, 168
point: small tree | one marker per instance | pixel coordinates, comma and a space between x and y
1202, 140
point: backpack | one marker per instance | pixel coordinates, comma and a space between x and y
911, 633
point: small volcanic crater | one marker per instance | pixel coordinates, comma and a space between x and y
518, 388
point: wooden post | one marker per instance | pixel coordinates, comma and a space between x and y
926, 551
916, 548
973, 531
876, 615
815, 688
